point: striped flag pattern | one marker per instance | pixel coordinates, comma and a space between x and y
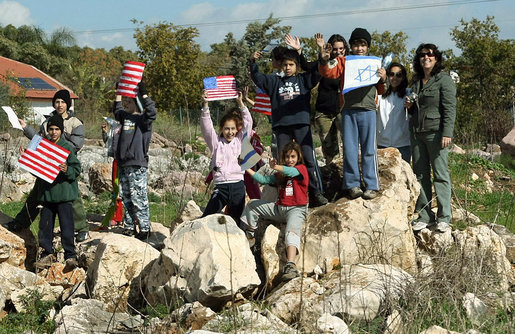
42, 158
220, 88
262, 103
132, 73
248, 156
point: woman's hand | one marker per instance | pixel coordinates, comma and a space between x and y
446, 142
407, 103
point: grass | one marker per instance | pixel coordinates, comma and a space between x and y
35, 319
495, 206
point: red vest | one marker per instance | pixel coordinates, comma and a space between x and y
295, 192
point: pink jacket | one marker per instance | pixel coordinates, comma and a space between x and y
225, 164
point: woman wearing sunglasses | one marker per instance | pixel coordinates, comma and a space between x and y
432, 127
392, 120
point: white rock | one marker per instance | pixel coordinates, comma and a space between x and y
474, 177
438, 330
204, 260
474, 307
117, 268
394, 323
329, 324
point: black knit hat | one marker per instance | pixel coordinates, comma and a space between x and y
360, 33
55, 120
65, 96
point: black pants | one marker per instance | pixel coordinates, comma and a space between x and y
46, 228
303, 137
230, 194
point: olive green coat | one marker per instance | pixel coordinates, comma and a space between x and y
435, 109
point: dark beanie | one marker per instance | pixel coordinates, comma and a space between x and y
360, 33
65, 96
55, 120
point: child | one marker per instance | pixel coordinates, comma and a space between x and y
292, 179
226, 148
290, 98
132, 157
392, 120
358, 120
57, 199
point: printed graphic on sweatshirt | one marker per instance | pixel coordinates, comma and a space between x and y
128, 126
289, 90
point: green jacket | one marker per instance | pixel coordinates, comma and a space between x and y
435, 109
65, 187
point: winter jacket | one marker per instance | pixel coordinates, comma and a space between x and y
289, 96
65, 187
224, 162
135, 134
73, 130
435, 108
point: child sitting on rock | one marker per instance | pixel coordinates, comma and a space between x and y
292, 179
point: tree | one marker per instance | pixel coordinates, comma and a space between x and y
173, 73
386, 42
486, 68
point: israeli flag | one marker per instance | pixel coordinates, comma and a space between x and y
360, 71
248, 156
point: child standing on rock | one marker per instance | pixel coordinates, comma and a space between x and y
292, 179
226, 148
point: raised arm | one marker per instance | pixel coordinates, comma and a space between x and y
206, 125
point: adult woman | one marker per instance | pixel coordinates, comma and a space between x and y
432, 126
392, 121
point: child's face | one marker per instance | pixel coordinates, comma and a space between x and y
338, 50
289, 67
359, 48
55, 133
129, 105
229, 130
60, 106
291, 158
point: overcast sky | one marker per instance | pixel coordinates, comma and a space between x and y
107, 23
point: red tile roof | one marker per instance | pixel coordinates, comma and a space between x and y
11, 68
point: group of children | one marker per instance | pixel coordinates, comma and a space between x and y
296, 173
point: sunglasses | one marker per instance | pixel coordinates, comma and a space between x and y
423, 54
395, 74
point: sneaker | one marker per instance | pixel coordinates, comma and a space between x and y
418, 225
82, 236
143, 235
128, 232
289, 272
369, 194
45, 262
70, 264
251, 237
443, 227
318, 200
355, 192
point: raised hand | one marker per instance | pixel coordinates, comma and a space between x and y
320, 40
293, 42
256, 55
325, 52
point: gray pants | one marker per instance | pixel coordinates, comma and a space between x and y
294, 216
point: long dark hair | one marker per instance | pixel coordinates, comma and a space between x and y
339, 38
419, 71
401, 89
291, 146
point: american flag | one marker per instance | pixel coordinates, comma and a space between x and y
220, 88
262, 103
132, 73
42, 158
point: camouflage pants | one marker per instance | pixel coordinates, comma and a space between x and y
133, 188
327, 127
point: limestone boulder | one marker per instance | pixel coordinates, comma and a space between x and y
91, 316
474, 307
189, 212
508, 239
114, 275
366, 231
100, 178
12, 248
180, 182
13, 279
438, 330
205, 260
508, 143
357, 291
330, 324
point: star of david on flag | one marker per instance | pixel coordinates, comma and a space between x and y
220, 88
360, 71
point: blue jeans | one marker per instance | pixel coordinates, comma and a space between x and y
46, 228
359, 129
